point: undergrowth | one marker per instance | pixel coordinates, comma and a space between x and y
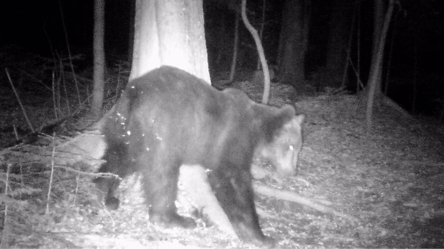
37, 194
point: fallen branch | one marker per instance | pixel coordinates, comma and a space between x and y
260, 173
293, 197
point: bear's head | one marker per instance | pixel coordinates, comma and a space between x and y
278, 131
284, 143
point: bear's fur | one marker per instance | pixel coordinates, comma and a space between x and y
168, 118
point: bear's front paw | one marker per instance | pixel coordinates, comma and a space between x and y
112, 203
265, 242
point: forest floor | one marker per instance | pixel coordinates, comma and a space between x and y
389, 184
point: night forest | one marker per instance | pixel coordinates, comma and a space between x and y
359, 183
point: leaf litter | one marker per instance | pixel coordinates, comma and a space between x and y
389, 184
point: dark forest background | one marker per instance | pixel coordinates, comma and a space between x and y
414, 45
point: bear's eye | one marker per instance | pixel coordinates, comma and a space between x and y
287, 147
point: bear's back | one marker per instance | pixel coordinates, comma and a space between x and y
189, 115
176, 89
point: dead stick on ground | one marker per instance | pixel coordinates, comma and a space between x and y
293, 197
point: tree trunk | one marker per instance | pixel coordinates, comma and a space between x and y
337, 43
374, 82
131, 29
378, 22
99, 57
170, 32
293, 43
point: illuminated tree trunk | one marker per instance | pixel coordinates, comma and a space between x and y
170, 32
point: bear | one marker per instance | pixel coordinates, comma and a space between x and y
168, 118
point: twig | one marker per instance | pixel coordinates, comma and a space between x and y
17, 137
20, 102
69, 51
259, 173
5, 220
52, 174
101, 174
54, 97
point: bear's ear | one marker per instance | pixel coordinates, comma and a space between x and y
294, 124
289, 112
274, 120
298, 120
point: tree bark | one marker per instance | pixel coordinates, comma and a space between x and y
170, 32
146, 40
99, 57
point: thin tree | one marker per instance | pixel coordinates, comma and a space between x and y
260, 51
99, 57
235, 48
261, 29
376, 68
378, 22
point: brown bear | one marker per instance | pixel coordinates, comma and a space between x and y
168, 118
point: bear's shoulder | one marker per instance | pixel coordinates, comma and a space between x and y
265, 119
240, 98
168, 85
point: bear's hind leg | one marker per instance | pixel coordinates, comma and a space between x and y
160, 187
107, 186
